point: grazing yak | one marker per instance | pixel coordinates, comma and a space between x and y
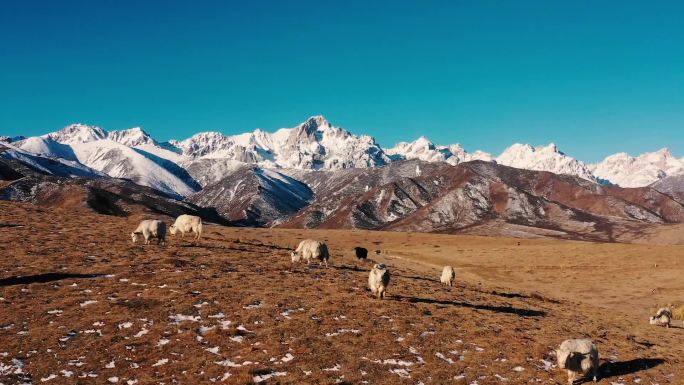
448, 276
361, 253
378, 280
663, 317
150, 228
187, 224
309, 249
579, 357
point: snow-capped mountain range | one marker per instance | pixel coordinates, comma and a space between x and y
183, 167
628, 171
314, 144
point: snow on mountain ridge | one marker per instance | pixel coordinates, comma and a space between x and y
131, 137
203, 144
423, 149
628, 171
46, 146
78, 133
313, 144
543, 158
120, 161
145, 165
11, 139
316, 144
46, 163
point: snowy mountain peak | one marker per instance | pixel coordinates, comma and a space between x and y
628, 171
210, 144
543, 158
316, 144
47, 147
11, 139
663, 155
518, 148
665, 151
78, 133
423, 142
424, 149
131, 137
209, 135
315, 122
522, 151
551, 147
418, 145
306, 131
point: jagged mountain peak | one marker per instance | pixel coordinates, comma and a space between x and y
202, 136
11, 139
312, 130
312, 144
528, 148
424, 149
628, 171
316, 121
316, 144
132, 137
78, 133
551, 147
665, 152
544, 158
421, 141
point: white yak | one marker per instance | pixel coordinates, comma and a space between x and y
187, 224
150, 228
309, 249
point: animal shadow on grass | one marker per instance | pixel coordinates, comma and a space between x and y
498, 309
9, 225
506, 295
43, 278
615, 369
534, 295
351, 268
277, 247
416, 277
195, 244
212, 247
367, 266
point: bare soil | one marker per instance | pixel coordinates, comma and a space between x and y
79, 304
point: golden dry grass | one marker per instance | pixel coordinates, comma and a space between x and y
232, 307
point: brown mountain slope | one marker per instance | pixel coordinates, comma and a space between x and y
671, 185
429, 197
20, 182
252, 196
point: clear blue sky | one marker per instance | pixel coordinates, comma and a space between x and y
596, 77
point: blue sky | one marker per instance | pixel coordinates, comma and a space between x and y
595, 77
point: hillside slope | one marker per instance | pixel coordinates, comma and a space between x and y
434, 197
234, 309
47, 182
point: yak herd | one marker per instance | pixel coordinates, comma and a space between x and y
578, 356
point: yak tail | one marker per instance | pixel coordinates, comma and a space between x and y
199, 229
